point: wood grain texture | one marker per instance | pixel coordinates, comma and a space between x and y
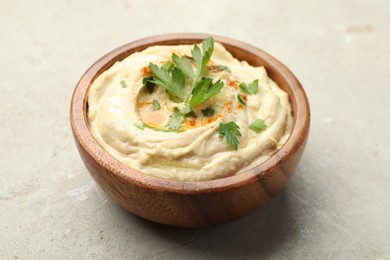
192, 204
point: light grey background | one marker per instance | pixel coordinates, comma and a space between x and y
336, 206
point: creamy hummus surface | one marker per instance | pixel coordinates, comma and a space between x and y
131, 121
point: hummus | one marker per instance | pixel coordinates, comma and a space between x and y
130, 122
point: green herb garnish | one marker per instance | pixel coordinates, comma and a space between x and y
241, 99
143, 126
173, 81
184, 64
222, 68
188, 110
175, 120
155, 105
160, 129
140, 126
200, 58
208, 112
251, 88
258, 125
231, 132
123, 84
171, 76
190, 114
169, 66
148, 82
204, 90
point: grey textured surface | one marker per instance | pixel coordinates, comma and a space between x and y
336, 206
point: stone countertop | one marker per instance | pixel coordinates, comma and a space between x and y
336, 206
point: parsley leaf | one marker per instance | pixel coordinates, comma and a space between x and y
187, 109
258, 125
213, 90
200, 91
208, 112
222, 68
184, 64
148, 82
173, 81
168, 65
123, 83
159, 129
188, 112
231, 132
140, 126
155, 105
171, 76
175, 120
251, 88
201, 58
204, 90
191, 114
241, 99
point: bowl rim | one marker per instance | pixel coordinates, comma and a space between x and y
81, 132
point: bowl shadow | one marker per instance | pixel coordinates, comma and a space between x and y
258, 234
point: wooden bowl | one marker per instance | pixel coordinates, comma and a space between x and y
192, 204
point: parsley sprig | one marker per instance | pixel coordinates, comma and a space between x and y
200, 57
258, 125
173, 81
204, 90
155, 105
231, 132
149, 84
171, 76
123, 84
175, 120
208, 112
221, 68
251, 88
241, 99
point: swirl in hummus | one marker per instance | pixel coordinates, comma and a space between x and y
130, 121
